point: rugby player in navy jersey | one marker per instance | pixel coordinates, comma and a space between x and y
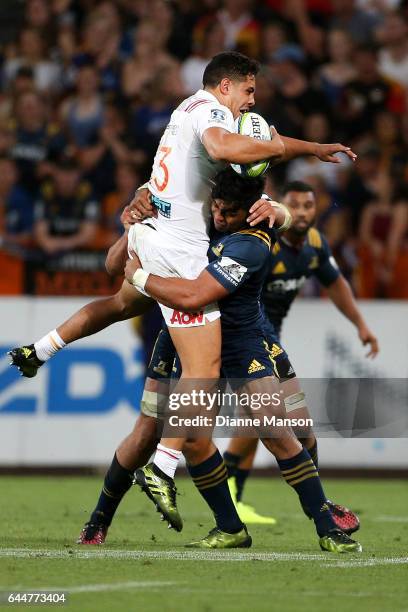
238, 267
299, 253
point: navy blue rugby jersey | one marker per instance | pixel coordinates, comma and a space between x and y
241, 263
289, 267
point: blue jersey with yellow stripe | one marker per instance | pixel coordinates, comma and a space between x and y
240, 262
289, 267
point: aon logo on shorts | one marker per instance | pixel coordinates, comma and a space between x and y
179, 319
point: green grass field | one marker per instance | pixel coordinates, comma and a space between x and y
145, 567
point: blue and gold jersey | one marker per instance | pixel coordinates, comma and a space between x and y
289, 267
240, 262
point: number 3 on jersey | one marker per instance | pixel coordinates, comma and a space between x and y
163, 153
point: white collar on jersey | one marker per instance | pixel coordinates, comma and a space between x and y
202, 93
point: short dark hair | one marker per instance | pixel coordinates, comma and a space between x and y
234, 189
297, 186
231, 65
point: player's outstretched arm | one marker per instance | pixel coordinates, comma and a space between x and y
341, 295
325, 152
178, 293
222, 145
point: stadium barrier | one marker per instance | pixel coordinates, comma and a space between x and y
86, 398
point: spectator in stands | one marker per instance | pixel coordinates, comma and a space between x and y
37, 141
38, 15
362, 184
368, 94
101, 45
273, 38
114, 144
66, 214
393, 56
211, 43
340, 70
387, 137
83, 113
360, 24
149, 56
316, 128
16, 208
296, 94
23, 82
242, 31
149, 121
396, 261
127, 180
376, 221
32, 52
269, 106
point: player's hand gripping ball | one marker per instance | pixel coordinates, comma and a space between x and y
255, 126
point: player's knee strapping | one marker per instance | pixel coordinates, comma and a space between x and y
295, 401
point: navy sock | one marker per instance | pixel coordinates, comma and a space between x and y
313, 454
118, 481
240, 479
210, 478
231, 462
301, 474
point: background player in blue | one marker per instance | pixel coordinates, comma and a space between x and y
300, 252
239, 264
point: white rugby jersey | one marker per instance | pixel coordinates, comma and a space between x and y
183, 172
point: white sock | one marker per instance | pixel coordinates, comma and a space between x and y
166, 459
49, 345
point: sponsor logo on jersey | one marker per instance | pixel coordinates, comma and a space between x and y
180, 319
314, 263
218, 115
280, 268
232, 270
164, 208
283, 286
255, 367
161, 368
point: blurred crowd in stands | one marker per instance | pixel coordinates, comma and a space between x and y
87, 87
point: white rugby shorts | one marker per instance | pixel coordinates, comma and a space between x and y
161, 257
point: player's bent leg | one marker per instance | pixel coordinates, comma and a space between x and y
199, 350
209, 474
132, 452
89, 320
99, 314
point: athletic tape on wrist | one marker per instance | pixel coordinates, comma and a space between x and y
288, 217
139, 278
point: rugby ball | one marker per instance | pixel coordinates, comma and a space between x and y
255, 126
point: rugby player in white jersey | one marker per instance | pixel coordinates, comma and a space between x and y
198, 140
